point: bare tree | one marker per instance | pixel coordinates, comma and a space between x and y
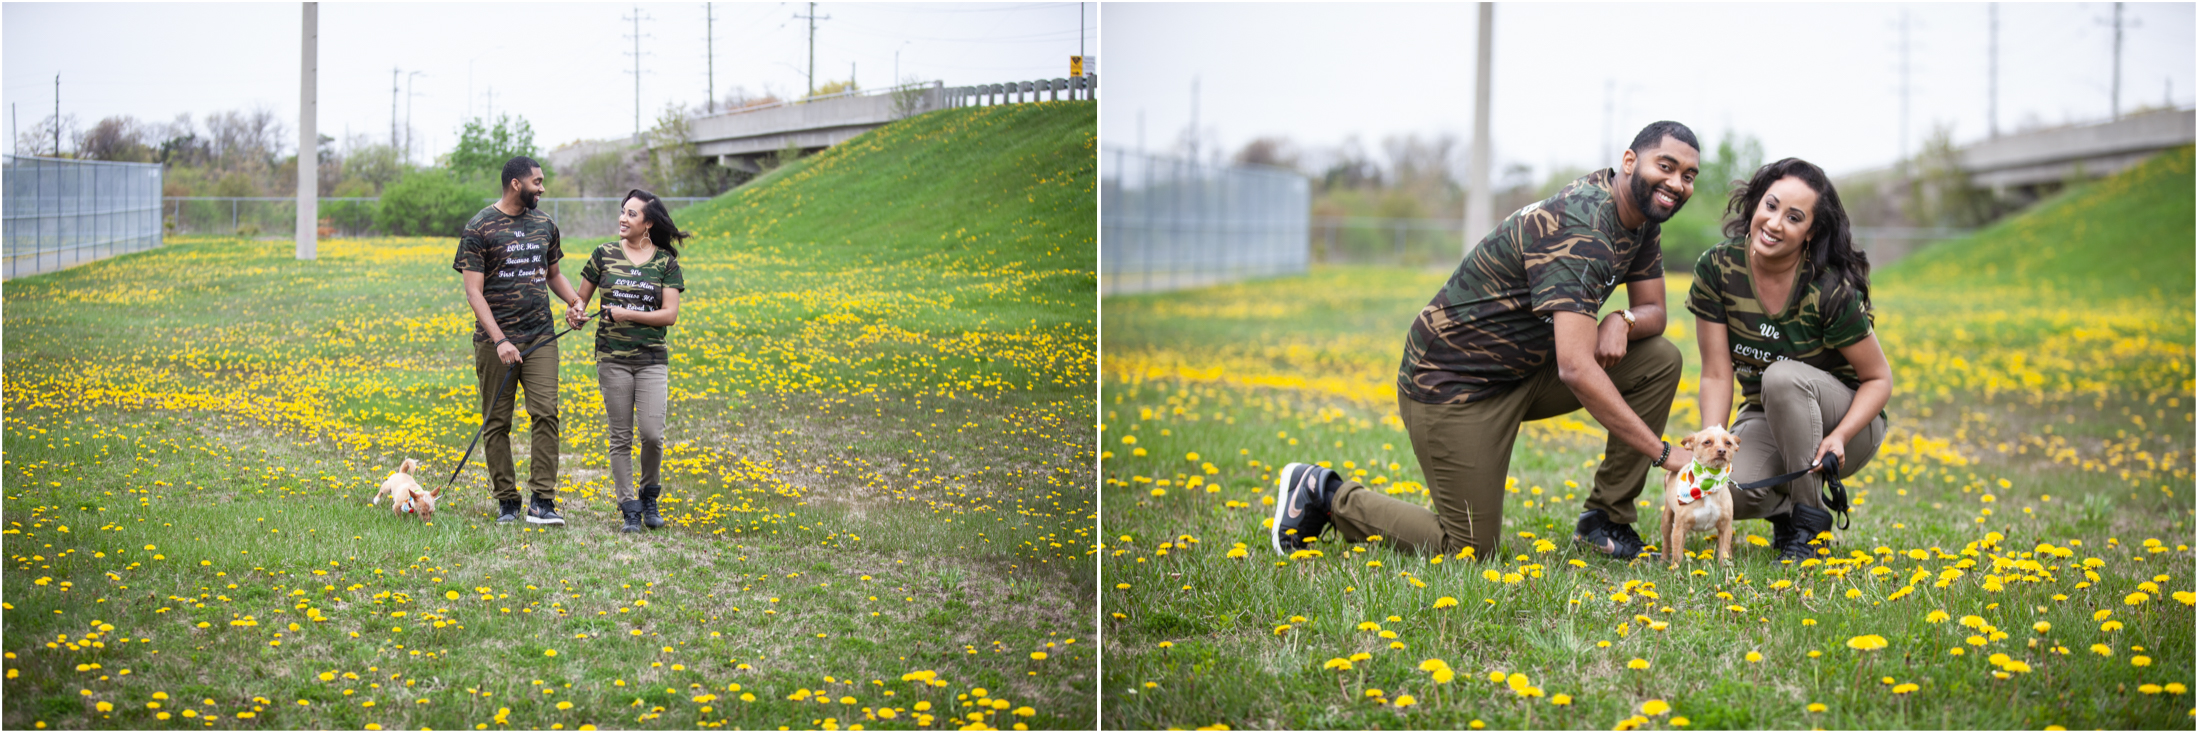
1276, 151
119, 139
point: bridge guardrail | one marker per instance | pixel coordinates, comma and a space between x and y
1075, 87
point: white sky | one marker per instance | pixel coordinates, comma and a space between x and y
564, 66
1818, 81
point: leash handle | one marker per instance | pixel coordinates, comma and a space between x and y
1834, 495
508, 375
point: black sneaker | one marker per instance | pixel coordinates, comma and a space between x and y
1300, 506
507, 511
544, 511
1614, 540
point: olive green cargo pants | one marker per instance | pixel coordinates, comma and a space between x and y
1465, 450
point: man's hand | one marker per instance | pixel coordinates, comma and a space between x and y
576, 315
507, 353
1610, 341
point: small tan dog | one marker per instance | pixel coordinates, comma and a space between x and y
1699, 496
405, 494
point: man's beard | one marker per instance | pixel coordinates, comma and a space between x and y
1646, 203
530, 198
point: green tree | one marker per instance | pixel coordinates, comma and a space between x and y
672, 167
483, 149
426, 203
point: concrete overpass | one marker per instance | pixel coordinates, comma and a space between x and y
2050, 157
741, 138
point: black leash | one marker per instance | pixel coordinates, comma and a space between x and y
1834, 495
511, 371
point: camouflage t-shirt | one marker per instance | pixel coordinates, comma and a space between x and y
633, 287
1493, 323
513, 254
1824, 316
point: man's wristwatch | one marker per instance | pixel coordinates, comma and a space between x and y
1629, 319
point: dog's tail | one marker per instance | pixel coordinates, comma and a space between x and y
408, 466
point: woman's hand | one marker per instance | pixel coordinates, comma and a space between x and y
1832, 444
576, 315
610, 314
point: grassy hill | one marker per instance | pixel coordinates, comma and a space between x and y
2127, 235
877, 465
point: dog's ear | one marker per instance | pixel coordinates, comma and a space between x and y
1687, 442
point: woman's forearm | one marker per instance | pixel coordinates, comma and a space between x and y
1868, 401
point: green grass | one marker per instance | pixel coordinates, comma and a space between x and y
2037, 472
877, 464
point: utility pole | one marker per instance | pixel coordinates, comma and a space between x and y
308, 206
491, 102
57, 115
1904, 88
1479, 201
1994, 85
812, 18
709, 45
636, 18
1609, 108
394, 74
408, 94
2116, 61
1193, 119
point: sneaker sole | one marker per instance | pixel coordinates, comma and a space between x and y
533, 520
1281, 502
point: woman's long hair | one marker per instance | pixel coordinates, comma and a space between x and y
660, 229
1830, 246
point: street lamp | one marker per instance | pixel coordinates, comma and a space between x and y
896, 62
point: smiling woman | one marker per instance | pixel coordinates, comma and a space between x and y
1784, 306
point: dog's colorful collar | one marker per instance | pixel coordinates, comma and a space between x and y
1696, 482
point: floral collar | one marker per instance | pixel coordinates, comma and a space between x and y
1696, 482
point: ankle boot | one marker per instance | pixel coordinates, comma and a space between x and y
1781, 530
648, 506
1807, 521
632, 511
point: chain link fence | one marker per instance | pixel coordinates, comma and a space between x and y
270, 217
61, 213
1171, 224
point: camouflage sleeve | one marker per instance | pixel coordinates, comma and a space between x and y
1706, 298
1563, 263
556, 245
472, 252
1647, 261
1844, 322
674, 277
592, 272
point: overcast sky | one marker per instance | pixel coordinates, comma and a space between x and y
565, 66
1818, 81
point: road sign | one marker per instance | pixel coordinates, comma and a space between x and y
1075, 65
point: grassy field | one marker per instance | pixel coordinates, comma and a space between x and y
878, 468
2019, 557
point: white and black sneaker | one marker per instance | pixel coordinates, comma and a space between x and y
1301, 494
544, 511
